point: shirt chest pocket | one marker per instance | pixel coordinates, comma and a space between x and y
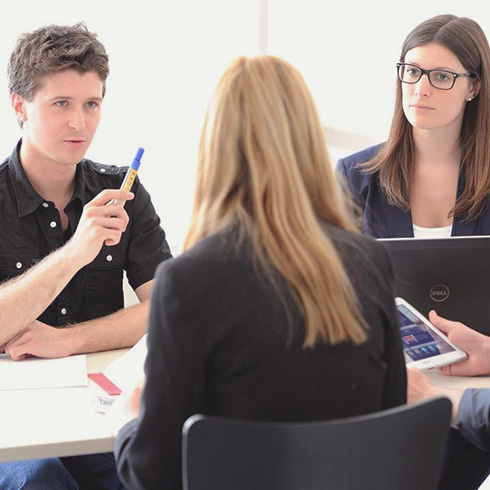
102, 281
109, 258
13, 263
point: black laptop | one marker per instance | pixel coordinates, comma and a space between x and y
449, 275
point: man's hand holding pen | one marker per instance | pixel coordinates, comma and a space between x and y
102, 222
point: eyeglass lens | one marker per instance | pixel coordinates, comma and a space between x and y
438, 78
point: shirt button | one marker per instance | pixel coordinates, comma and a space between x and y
45, 205
109, 258
18, 265
63, 311
52, 224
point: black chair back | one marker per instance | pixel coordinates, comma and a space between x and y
396, 449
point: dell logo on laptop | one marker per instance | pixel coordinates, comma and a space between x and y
439, 293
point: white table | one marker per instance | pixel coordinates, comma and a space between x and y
62, 422
458, 381
55, 422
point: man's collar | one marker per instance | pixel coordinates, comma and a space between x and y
28, 200
79, 191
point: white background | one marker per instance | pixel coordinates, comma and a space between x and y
167, 56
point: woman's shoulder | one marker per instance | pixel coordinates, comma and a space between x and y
347, 239
216, 258
363, 156
353, 178
360, 252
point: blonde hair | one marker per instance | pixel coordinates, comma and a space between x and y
263, 165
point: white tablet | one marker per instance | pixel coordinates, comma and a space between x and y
425, 346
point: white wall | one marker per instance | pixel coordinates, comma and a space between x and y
347, 52
166, 57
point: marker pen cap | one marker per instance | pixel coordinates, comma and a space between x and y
137, 159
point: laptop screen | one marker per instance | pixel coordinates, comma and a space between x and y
449, 275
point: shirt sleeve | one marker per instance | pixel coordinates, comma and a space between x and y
474, 417
395, 392
356, 204
343, 178
148, 451
147, 244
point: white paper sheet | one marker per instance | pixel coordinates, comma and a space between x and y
128, 370
32, 373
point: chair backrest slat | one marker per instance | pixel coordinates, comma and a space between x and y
401, 448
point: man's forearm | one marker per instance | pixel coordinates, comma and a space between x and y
121, 329
24, 298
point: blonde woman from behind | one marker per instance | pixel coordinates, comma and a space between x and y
278, 310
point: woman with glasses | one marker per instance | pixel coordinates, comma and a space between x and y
432, 177
278, 310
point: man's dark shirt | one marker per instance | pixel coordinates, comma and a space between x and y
30, 229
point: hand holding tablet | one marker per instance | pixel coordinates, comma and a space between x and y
424, 346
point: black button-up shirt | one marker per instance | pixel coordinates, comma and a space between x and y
30, 228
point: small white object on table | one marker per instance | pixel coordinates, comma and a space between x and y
52, 422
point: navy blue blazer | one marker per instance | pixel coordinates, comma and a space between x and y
382, 220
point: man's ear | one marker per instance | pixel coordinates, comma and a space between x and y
19, 106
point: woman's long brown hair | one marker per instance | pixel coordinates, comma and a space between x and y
395, 161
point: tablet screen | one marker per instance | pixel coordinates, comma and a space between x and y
419, 341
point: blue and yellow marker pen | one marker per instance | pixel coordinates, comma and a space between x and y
131, 174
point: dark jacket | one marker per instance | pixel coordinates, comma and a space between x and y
382, 220
219, 343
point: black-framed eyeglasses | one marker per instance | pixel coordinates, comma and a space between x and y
441, 79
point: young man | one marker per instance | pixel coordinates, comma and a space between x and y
55, 204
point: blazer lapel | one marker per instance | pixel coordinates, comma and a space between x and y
399, 222
467, 227
463, 228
